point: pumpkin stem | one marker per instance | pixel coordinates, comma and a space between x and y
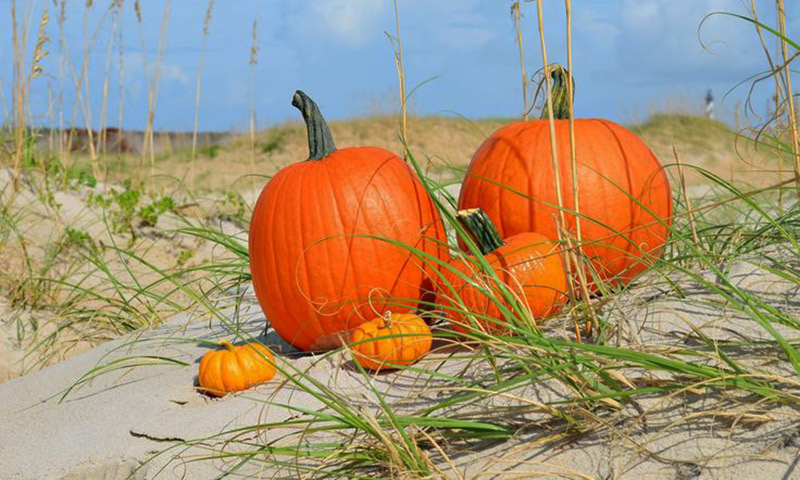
481, 229
228, 345
559, 76
320, 141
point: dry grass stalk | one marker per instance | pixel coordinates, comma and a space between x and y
121, 78
23, 80
103, 141
148, 80
397, 42
686, 200
200, 69
148, 147
789, 97
63, 152
551, 119
572, 150
778, 93
86, 104
576, 253
561, 219
40, 51
517, 17
19, 91
253, 74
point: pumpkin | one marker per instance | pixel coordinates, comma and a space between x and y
234, 369
331, 239
527, 267
624, 194
397, 340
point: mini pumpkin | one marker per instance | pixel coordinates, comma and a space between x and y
234, 369
527, 266
399, 339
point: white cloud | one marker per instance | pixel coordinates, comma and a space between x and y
352, 22
463, 37
656, 41
173, 73
134, 64
602, 28
455, 24
463, 27
645, 13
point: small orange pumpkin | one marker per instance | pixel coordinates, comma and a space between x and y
235, 368
400, 339
528, 265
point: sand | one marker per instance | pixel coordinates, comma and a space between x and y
132, 422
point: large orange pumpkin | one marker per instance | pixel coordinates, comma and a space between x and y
331, 238
624, 194
528, 267
391, 341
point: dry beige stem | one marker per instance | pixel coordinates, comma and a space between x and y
789, 97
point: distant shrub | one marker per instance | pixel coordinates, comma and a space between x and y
273, 144
211, 151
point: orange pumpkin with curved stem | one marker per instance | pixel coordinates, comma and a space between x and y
624, 195
234, 369
407, 339
528, 270
330, 236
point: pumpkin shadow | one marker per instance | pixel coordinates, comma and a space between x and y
452, 344
351, 367
269, 339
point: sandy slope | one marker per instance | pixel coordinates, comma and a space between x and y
108, 426
112, 425
37, 258
109, 419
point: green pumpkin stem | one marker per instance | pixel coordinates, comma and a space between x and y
227, 345
320, 140
559, 76
481, 229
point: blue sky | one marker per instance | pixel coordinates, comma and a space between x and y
631, 57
